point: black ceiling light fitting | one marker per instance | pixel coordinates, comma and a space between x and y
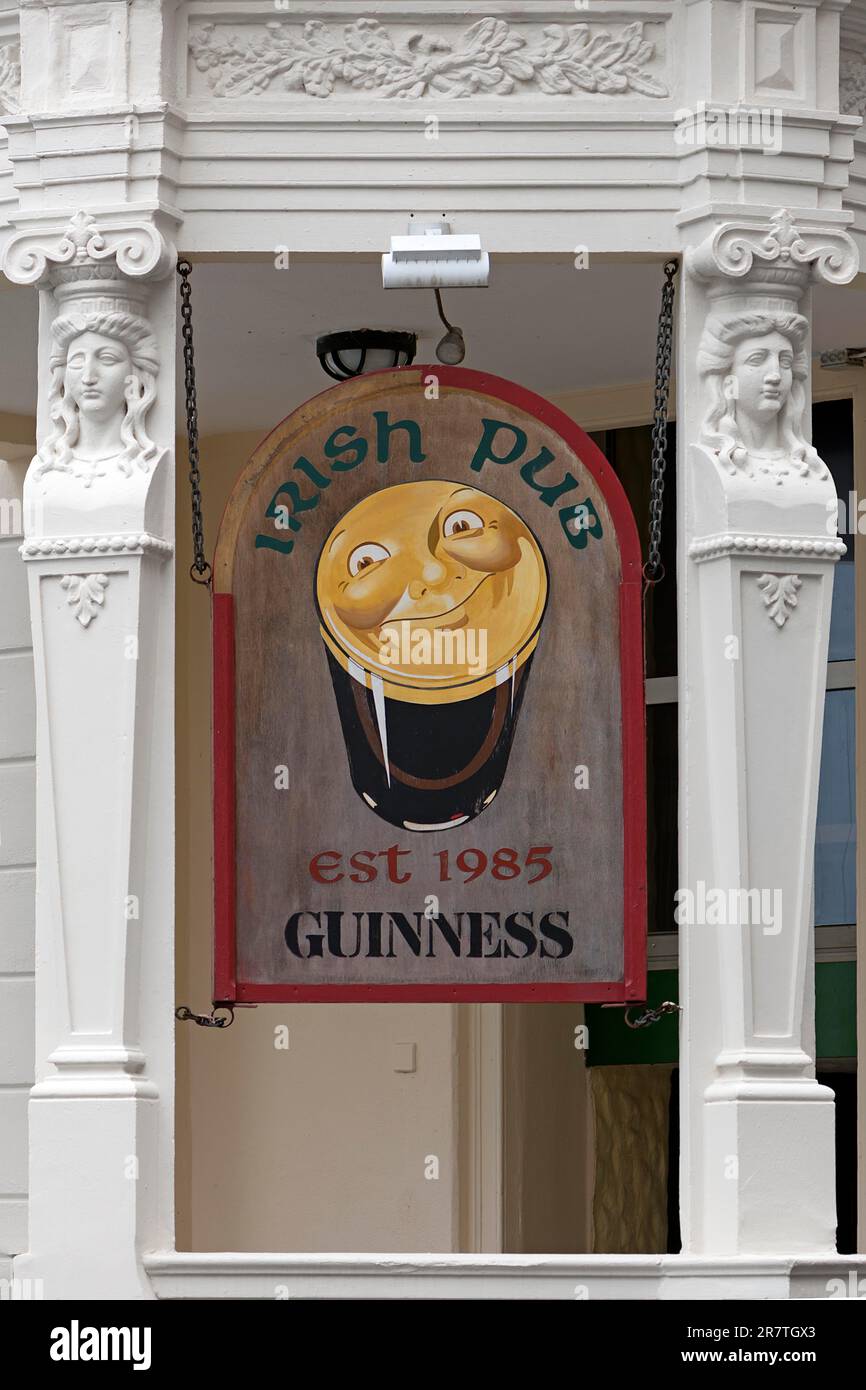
452, 348
838, 359
360, 350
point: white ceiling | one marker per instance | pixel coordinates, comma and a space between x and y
545, 324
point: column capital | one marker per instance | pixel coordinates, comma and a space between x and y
780, 257
53, 254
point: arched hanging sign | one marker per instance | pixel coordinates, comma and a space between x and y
429, 704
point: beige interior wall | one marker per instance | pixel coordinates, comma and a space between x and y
548, 1156
17, 429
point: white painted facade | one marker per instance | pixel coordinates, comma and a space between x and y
553, 130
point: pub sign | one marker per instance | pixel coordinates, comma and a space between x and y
428, 704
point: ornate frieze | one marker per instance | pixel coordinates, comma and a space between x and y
492, 57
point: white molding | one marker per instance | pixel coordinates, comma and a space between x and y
62, 547
524, 1277
722, 547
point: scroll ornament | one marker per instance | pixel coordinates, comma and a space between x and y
788, 256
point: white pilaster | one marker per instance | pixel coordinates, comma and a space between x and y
99, 524
757, 549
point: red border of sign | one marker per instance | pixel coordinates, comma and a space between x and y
227, 988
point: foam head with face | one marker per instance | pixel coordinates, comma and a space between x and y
432, 558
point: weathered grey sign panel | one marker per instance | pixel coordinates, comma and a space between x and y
428, 703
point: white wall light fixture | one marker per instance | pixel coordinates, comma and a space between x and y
435, 258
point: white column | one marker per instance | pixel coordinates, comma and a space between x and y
757, 550
99, 522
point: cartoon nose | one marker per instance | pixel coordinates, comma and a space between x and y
432, 575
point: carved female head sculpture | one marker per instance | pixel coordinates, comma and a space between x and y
104, 368
756, 365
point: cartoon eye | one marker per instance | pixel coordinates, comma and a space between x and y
363, 556
458, 522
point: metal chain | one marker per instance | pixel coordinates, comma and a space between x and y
652, 1015
654, 570
199, 570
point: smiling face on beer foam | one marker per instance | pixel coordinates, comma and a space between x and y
438, 559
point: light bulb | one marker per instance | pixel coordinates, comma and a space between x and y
452, 348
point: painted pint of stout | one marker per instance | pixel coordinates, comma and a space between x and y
430, 597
